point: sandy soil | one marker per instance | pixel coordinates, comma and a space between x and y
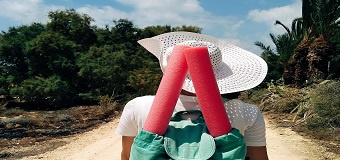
103, 144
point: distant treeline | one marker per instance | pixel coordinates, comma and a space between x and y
69, 62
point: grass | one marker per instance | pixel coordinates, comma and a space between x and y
325, 103
312, 111
280, 99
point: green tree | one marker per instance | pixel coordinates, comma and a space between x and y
151, 31
294, 65
51, 54
324, 15
105, 70
51, 72
124, 32
51, 91
334, 66
319, 18
145, 81
272, 59
74, 26
306, 49
103, 36
277, 59
187, 28
13, 65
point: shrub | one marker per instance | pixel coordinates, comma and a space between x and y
12, 112
325, 102
107, 105
3, 106
15, 122
275, 98
254, 95
51, 91
287, 104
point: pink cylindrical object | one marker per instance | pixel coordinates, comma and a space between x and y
168, 92
207, 91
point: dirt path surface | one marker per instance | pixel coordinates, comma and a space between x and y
283, 143
98, 144
103, 144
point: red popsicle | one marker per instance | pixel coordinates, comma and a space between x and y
207, 91
168, 92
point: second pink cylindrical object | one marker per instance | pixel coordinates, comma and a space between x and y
207, 91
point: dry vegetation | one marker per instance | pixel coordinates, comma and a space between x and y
20, 129
312, 111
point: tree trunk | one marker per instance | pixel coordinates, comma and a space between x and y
296, 72
318, 57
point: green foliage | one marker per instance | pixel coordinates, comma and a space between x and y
70, 61
285, 45
105, 70
108, 104
13, 64
74, 26
188, 29
151, 31
325, 102
334, 68
145, 81
124, 32
321, 16
103, 36
335, 39
5, 80
50, 54
272, 59
51, 91
319, 19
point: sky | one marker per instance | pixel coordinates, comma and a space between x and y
240, 22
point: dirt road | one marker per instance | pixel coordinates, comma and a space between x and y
103, 144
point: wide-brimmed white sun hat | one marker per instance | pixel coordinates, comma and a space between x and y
235, 69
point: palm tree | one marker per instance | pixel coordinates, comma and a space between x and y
323, 16
285, 44
312, 33
274, 70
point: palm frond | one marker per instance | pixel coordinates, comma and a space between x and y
265, 48
277, 22
297, 29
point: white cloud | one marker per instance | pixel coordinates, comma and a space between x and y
143, 13
26, 11
103, 16
166, 12
184, 12
285, 14
175, 6
175, 12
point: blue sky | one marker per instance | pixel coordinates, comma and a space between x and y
241, 22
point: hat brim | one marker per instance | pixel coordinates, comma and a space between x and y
241, 69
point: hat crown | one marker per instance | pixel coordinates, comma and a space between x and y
214, 53
235, 69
